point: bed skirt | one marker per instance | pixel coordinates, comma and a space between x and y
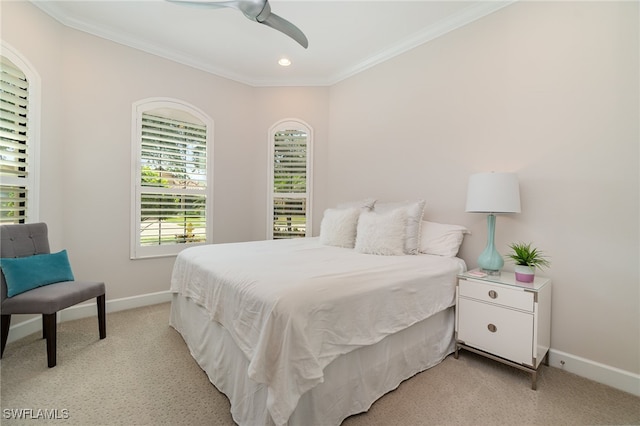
351, 383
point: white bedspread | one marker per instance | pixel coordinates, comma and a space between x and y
293, 306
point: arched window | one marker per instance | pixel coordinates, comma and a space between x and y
19, 139
171, 197
290, 180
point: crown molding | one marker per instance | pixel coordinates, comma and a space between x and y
471, 14
108, 34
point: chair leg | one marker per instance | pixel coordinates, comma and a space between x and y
6, 321
49, 321
102, 319
44, 328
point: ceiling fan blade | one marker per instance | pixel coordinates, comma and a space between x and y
286, 27
201, 4
250, 8
256, 10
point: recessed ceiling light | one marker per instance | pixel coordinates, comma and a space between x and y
285, 62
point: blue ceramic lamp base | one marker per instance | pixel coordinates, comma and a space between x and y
490, 260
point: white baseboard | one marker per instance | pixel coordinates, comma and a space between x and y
33, 325
601, 373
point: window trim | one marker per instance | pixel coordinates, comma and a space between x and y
285, 124
138, 108
32, 181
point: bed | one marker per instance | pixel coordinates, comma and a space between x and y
301, 332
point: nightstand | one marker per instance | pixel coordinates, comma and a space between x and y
504, 320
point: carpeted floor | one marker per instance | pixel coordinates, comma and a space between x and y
143, 374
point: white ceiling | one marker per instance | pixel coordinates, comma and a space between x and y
345, 37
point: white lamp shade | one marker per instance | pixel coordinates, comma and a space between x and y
493, 193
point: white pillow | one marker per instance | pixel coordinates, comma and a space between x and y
381, 233
441, 239
338, 227
414, 211
366, 204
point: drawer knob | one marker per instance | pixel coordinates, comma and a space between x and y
492, 328
493, 294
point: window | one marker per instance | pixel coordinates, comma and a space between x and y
172, 189
290, 162
19, 87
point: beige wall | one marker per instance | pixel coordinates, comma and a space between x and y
102, 80
89, 86
548, 90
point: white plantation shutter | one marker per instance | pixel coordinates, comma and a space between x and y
290, 177
14, 146
172, 190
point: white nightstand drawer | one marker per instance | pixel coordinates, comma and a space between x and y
504, 320
504, 332
513, 298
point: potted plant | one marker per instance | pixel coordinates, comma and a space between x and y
527, 259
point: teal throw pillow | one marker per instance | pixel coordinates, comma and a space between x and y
26, 273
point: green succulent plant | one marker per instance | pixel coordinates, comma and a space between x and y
524, 254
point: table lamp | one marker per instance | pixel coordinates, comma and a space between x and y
492, 193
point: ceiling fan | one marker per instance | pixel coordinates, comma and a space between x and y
256, 10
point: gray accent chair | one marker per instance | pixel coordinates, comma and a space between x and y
26, 240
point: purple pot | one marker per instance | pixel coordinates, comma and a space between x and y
524, 274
